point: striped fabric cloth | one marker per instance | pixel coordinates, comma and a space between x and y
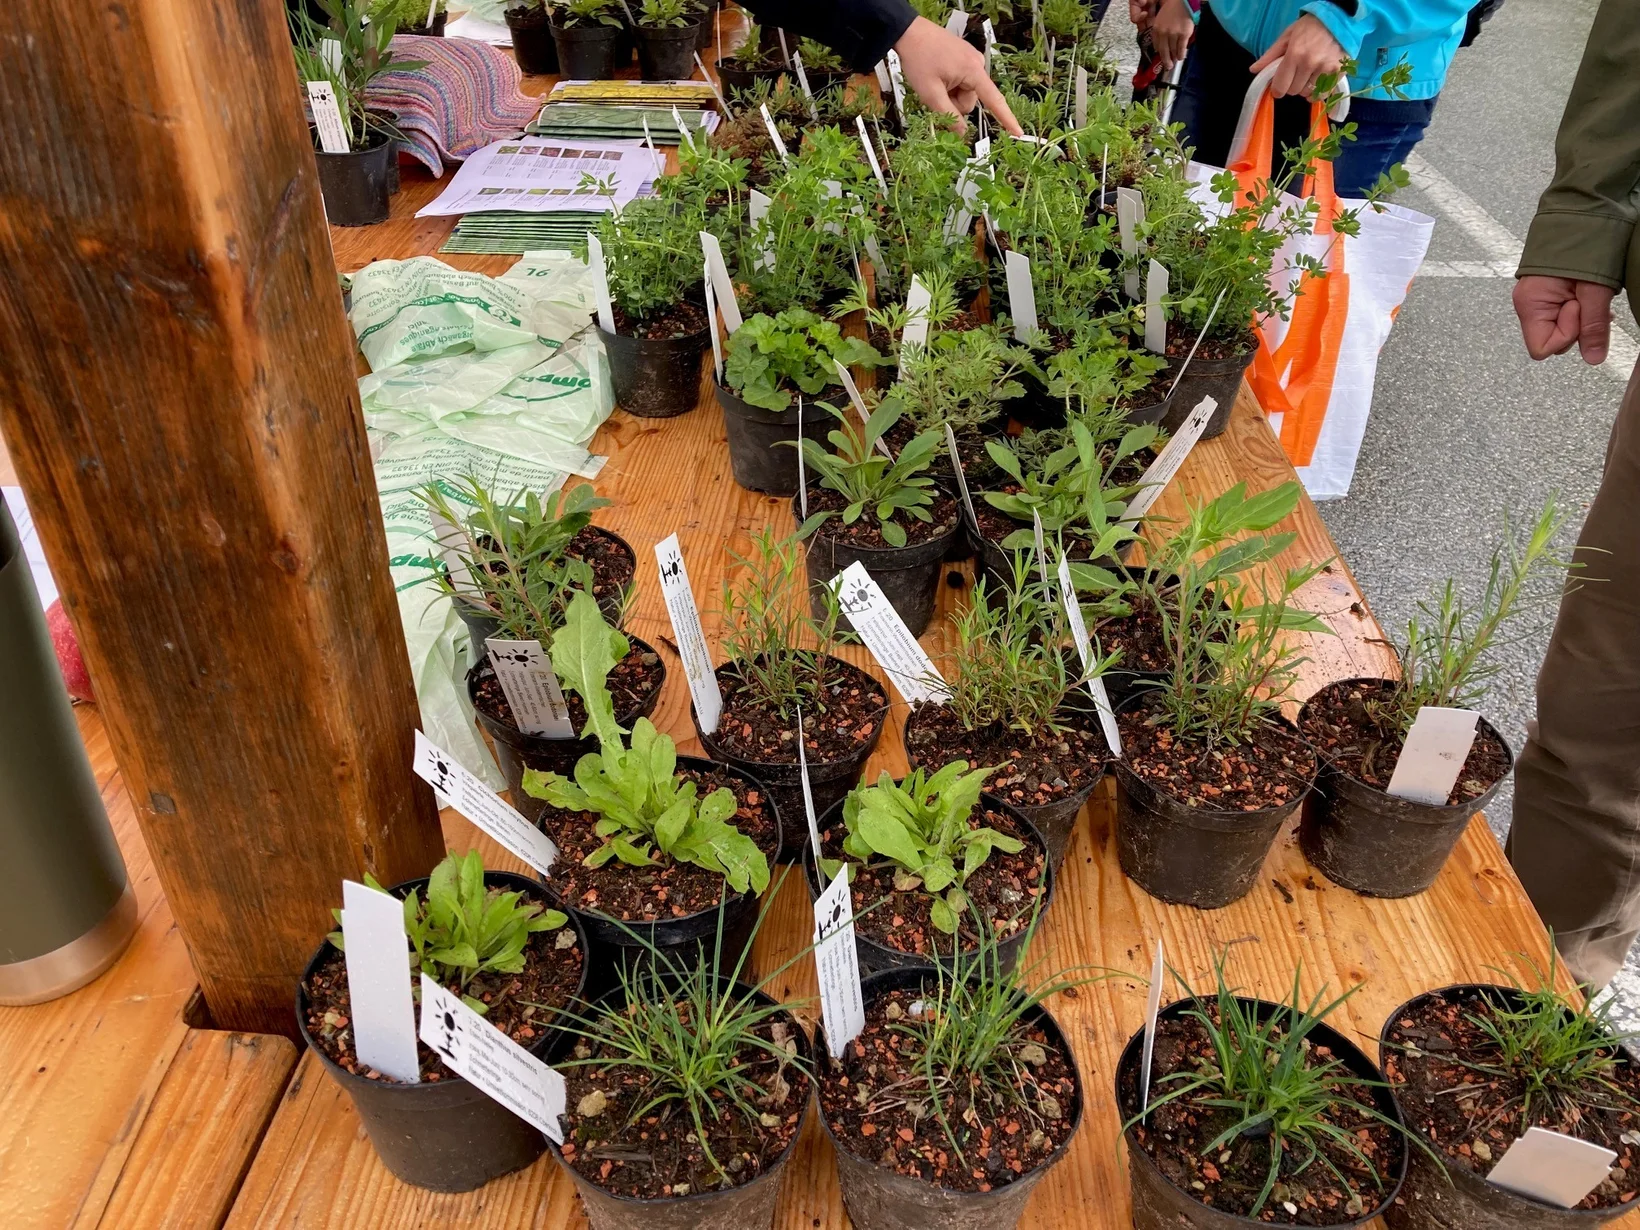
465, 98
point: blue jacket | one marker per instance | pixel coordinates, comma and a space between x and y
1376, 34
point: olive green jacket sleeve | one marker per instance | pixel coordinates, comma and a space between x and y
1585, 221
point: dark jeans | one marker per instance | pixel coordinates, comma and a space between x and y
1215, 82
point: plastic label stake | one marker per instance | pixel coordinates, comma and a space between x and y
917, 300
1084, 648
774, 133
1153, 1006
959, 219
871, 154
808, 790
327, 118
1130, 211
1079, 106
896, 81
448, 538
720, 280
483, 806
879, 625
1155, 318
685, 616
803, 84
531, 686
1552, 1167
859, 403
722, 102
1433, 755
600, 283
881, 70
962, 479
802, 475
712, 324
838, 965
378, 982
683, 129
957, 23
493, 1062
757, 210
1021, 295
990, 42
1041, 546
1155, 479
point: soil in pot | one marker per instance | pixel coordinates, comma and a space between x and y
587, 53
1194, 822
838, 739
666, 53
357, 185
1047, 777
1215, 372
613, 564
1142, 641
1177, 1183
532, 42
1471, 1119
899, 1170
655, 363
1155, 402
909, 576
734, 76
1357, 834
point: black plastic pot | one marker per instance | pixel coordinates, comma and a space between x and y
1160, 1204
1196, 856
516, 751
1374, 843
753, 434
436, 30
446, 1135
655, 378
732, 77
1219, 379
666, 54
875, 957
532, 41
708, 27
829, 781
909, 576
481, 624
822, 80
879, 1199
746, 1207
1156, 412
587, 53
357, 185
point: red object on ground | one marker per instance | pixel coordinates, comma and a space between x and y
67, 647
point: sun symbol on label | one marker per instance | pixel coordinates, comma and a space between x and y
857, 599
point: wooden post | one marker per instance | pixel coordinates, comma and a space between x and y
177, 389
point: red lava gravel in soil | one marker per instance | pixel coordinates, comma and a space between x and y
1472, 1118
1031, 771
852, 712
679, 320
1336, 719
1176, 1136
864, 532
1180, 342
1003, 889
631, 683
665, 891
660, 1155
550, 976
1270, 770
871, 1105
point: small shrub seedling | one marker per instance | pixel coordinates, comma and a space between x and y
574, 14
350, 49
1067, 491
647, 254
883, 487
769, 356
667, 14
959, 378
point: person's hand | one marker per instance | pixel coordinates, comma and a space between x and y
1307, 51
1556, 312
949, 75
1140, 12
1171, 29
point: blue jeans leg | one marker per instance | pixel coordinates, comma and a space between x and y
1376, 148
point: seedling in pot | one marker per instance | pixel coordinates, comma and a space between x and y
1068, 493
652, 261
666, 14
349, 50
579, 14
771, 357
885, 490
963, 379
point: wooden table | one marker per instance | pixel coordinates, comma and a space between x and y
114, 1111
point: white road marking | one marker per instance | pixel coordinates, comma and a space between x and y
1467, 269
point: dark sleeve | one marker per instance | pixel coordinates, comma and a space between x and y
861, 31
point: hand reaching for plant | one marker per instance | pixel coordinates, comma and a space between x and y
1307, 51
949, 75
1171, 29
1556, 312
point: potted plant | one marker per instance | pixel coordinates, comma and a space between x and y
1474, 1066
687, 1089
957, 1097
411, 16
919, 853
1013, 699
962, 379
587, 34
1260, 1113
1354, 831
769, 363
490, 937
823, 67
349, 53
780, 668
748, 63
649, 842
533, 47
1209, 769
880, 511
666, 34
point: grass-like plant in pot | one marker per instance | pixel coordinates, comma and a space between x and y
779, 667
770, 363
491, 938
1354, 831
649, 841
1016, 697
687, 1089
957, 1097
666, 34
1260, 1113
882, 511
1210, 769
933, 862
588, 36
1474, 1066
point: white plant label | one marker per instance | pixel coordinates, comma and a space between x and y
1130, 210
859, 403
990, 42
683, 130
483, 806
720, 280
378, 982
962, 479
959, 219
896, 81
869, 611
600, 283
493, 1062
1084, 647
1153, 1005
1433, 754
917, 300
685, 616
957, 23
1552, 1167
757, 209
871, 154
1079, 103
881, 70
327, 116
1155, 318
531, 685
803, 84
838, 965
712, 324
1040, 545
802, 472
1021, 295
1160, 473
808, 790
774, 133
1104, 167
722, 102
449, 539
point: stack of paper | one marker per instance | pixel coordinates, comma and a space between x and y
537, 175
682, 94
505, 232
591, 121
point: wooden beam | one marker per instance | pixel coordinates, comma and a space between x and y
177, 393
